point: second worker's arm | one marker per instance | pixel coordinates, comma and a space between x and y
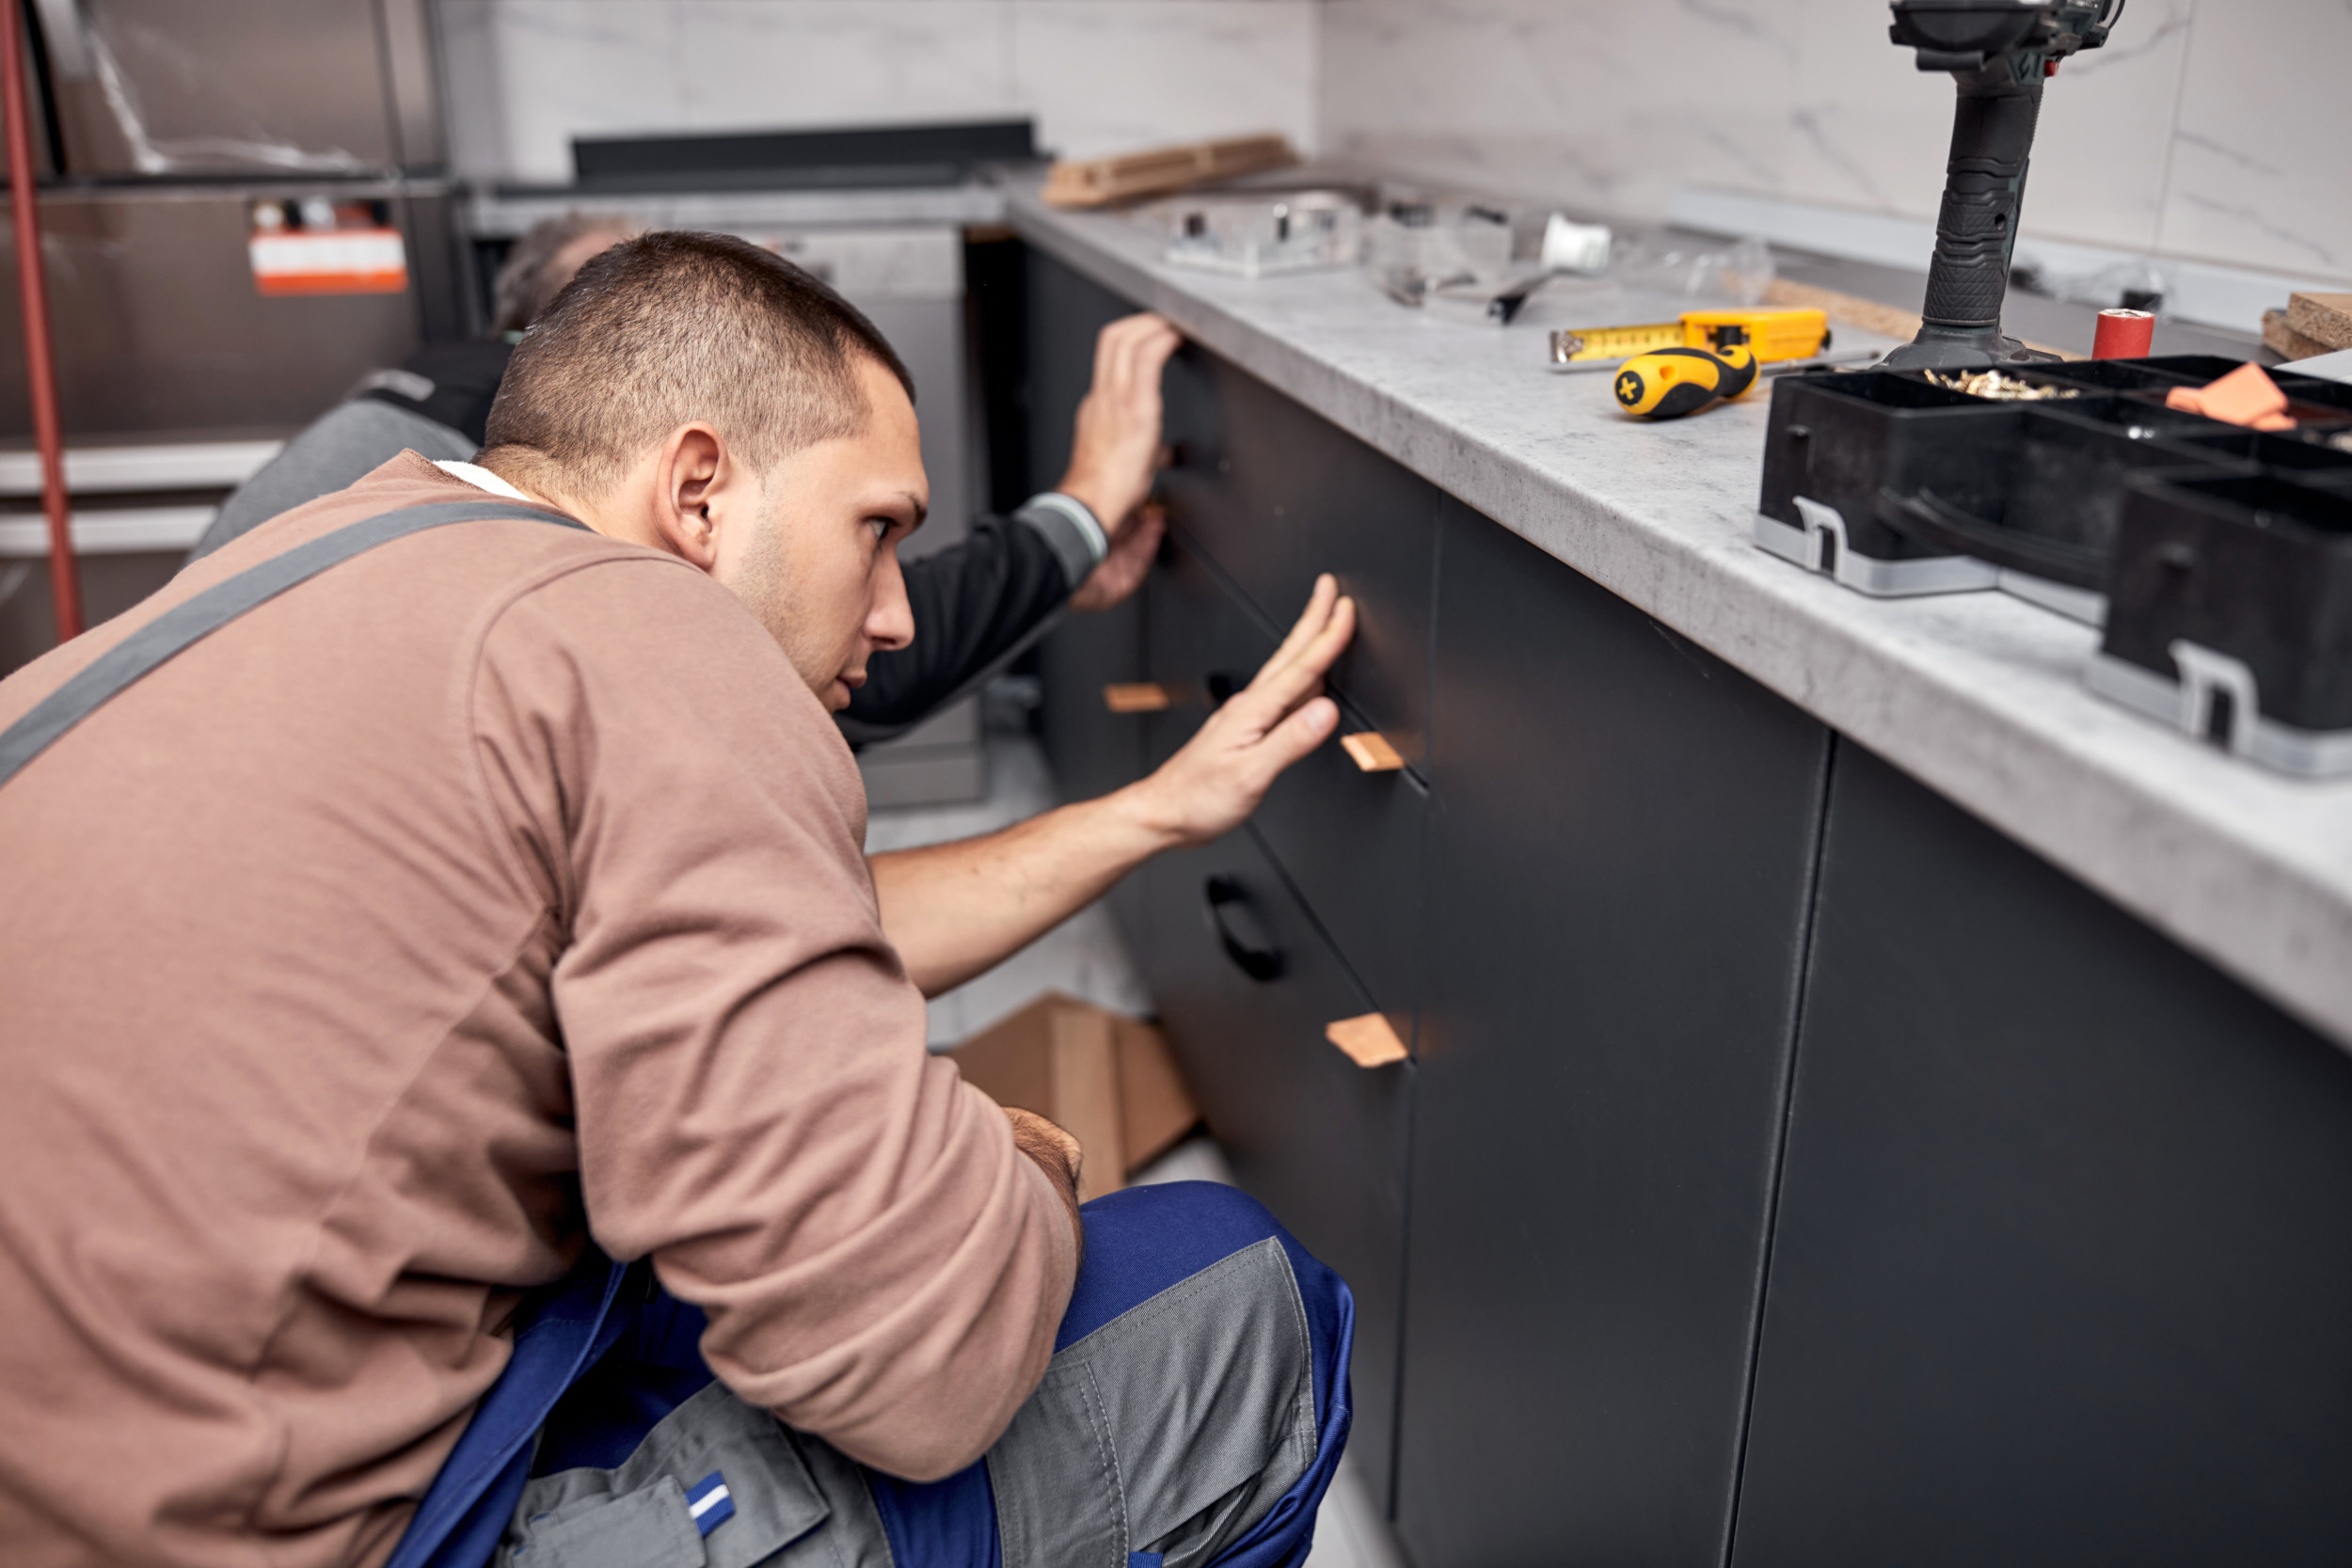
954, 911
979, 602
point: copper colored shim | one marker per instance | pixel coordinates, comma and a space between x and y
1369, 1041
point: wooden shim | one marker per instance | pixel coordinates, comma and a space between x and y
1097, 182
1868, 314
1369, 1041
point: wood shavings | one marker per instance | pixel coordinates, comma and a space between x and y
2000, 387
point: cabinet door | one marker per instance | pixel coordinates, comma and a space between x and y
1275, 495
2061, 1272
1317, 1139
1348, 840
1093, 749
1620, 837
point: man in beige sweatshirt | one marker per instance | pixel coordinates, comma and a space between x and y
502, 888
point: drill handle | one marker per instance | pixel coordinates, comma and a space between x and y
1984, 185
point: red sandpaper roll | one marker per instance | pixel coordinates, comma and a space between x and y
2123, 335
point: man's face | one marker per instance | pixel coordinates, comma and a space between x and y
821, 569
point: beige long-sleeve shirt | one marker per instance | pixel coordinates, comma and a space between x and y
502, 870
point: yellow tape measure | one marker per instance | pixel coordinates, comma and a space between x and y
1770, 335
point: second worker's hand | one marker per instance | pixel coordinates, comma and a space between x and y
1211, 784
1122, 571
1115, 449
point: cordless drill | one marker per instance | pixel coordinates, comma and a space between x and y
1999, 52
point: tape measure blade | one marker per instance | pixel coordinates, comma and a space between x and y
1623, 343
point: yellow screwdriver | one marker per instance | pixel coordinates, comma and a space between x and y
1668, 383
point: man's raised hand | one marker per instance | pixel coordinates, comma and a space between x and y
1115, 449
1212, 786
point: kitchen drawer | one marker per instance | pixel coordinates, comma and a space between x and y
1317, 1139
1274, 495
1349, 840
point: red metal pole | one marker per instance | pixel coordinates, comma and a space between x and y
65, 578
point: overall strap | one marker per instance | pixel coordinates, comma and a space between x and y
184, 624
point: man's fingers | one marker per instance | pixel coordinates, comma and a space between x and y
1129, 355
1299, 734
1307, 653
1310, 620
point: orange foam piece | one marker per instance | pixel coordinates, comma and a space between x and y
2245, 396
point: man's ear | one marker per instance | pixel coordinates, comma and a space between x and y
693, 466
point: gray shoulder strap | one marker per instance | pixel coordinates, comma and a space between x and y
186, 623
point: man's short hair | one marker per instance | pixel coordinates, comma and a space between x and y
674, 326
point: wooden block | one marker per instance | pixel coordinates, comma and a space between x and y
2280, 336
1154, 1107
1371, 751
1085, 1095
1108, 1080
1098, 182
1137, 697
1369, 1041
2326, 319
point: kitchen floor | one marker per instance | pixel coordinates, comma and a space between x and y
1086, 958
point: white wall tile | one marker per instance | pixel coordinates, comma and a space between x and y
757, 64
1114, 75
2259, 154
1614, 106
525, 76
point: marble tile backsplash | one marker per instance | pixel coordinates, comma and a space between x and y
525, 76
2213, 128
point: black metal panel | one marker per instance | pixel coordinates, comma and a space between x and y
1620, 844
1349, 840
1094, 750
1317, 1139
2059, 1273
1274, 494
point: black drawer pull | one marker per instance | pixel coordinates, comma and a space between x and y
1222, 686
1239, 931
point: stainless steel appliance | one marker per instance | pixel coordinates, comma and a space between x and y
244, 209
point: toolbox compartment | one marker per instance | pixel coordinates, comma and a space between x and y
1835, 441
2053, 485
2231, 614
1895, 485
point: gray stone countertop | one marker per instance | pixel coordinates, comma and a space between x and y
1977, 695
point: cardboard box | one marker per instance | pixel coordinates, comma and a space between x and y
1105, 1079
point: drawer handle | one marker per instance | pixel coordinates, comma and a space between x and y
1137, 697
1371, 751
1238, 930
1369, 1041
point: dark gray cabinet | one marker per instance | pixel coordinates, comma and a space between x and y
1275, 495
1245, 984
1620, 843
1792, 1170
2061, 1272
1350, 839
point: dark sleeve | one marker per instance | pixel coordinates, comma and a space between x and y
343, 445
977, 605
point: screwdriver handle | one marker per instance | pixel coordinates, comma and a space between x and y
1669, 383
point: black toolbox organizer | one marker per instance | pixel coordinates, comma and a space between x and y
2231, 612
1895, 485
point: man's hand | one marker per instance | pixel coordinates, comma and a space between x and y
1124, 570
1056, 1153
1212, 786
1115, 450
954, 911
